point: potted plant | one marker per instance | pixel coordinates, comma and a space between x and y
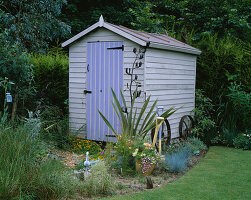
146, 157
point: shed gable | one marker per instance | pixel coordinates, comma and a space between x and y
159, 41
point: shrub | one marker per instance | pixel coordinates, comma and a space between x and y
16, 67
221, 56
223, 73
178, 161
51, 78
173, 148
195, 144
100, 181
25, 172
243, 141
109, 155
203, 115
233, 114
55, 126
240, 104
124, 149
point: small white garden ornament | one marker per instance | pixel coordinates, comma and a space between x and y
87, 162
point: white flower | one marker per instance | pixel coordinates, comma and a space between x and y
142, 154
135, 152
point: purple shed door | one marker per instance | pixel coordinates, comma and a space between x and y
104, 71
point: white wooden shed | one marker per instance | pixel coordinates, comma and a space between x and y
98, 58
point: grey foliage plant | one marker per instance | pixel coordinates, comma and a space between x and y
130, 123
178, 161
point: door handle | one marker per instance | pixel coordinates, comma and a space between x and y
87, 91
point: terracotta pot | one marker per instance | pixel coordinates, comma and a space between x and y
139, 168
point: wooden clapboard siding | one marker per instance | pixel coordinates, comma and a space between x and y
78, 70
170, 78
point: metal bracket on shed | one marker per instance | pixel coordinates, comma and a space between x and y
110, 135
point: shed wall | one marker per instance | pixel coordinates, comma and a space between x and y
78, 70
170, 78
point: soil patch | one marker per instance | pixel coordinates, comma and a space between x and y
131, 183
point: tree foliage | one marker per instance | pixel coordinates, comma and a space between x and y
33, 23
214, 16
82, 14
15, 65
25, 26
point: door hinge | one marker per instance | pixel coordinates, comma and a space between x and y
114, 48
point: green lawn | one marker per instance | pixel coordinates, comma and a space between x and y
225, 173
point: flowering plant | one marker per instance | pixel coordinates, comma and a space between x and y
80, 145
145, 154
143, 149
124, 149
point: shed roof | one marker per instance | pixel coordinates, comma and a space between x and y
142, 38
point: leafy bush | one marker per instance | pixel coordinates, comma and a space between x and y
223, 74
194, 144
109, 154
55, 126
233, 113
173, 148
243, 141
221, 57
241, 105
33, 123
124, 149
178, 161
100, 181
51, 78
25, 172
203, 111
16, 67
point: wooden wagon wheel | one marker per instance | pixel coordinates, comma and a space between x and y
185, 126
165, 135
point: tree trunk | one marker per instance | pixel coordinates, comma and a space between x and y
14, 108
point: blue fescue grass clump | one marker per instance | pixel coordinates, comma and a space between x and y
178, 161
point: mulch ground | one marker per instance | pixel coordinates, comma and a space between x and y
131, 183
